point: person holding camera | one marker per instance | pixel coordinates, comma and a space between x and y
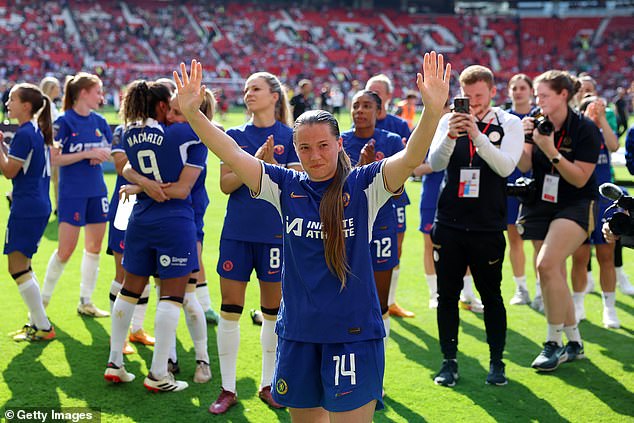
480, 146
562, 149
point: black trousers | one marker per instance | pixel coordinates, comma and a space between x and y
483, 253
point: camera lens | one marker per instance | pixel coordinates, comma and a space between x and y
545, 126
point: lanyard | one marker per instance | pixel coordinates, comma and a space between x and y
472, 147
561, 138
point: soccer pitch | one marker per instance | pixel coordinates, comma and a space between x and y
68, 372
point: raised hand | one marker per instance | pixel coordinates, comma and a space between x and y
266, 151
368, 154
190, 91
433, 82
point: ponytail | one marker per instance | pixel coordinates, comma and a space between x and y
141, 99
331, 215
40, 108
45, 121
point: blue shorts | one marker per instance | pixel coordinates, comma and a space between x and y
384, 249
238, 259
512, 209
596, 236
427, 216
24, 234
116, 239
401, 219
199, 222
167, 248
337, 377
83, 211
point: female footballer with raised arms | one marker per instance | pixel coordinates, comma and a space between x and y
327, 213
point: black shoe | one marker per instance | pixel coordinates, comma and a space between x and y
574, 351
448, 374
550, 358
496, 374
256, 317
173, 367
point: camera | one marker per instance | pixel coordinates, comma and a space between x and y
542, 123
523, 188
621, 224
461, 105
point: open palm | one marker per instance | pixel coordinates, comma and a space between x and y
433, 83
190, 91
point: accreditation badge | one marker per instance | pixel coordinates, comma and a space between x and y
469, 186
550, 188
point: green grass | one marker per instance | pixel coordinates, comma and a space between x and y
68, 372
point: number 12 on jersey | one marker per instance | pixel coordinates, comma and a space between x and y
340, 368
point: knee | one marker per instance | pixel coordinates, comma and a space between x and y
64, 254
547, 269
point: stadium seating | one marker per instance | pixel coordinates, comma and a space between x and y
124, 40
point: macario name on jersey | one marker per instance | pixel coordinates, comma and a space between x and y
141, 137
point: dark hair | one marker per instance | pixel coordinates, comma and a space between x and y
372, 94
74, 85
521, 77
40, 108
331, 205
559, 80
141, 100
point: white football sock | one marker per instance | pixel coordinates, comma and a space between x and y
228, 343
89, 272
197, 325
167, 314
53, 273
30, 292
268, 339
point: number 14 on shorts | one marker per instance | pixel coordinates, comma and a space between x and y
340, 368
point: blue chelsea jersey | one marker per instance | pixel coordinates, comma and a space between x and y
31, 184
117, 147
77, 133
248, 219
386, 144
315, 307
160, 154
397, 125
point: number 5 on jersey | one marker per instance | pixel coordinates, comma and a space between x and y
340, 368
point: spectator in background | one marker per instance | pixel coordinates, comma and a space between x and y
406, 109
302, 101
324, 97
620, 102
337, 100
354, 87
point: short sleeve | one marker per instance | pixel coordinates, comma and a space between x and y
271, 181
589, 145
61, 131
105, 129
197, 155
117, 140
372, 180
21, 147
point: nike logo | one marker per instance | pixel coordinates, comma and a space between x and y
493, 261
293, 195
340, 394
243, 146
272, 272
382, 261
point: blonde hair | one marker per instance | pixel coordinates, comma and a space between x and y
381, 78
282, 108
